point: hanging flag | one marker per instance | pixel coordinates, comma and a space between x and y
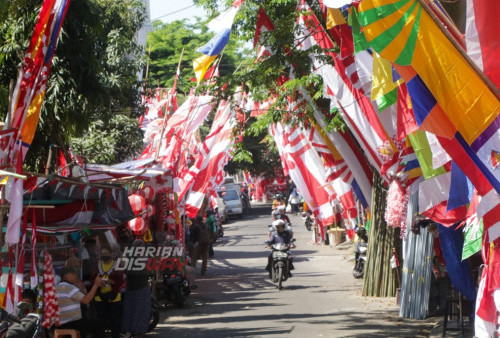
384, 89
338, 174
29, 91
433, 198
222, 26
27, 100
461, 189
481, 37
307, 172
208, 171
356, 109
339, 30
359, 38
469, 105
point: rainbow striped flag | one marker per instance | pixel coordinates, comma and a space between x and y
449, 98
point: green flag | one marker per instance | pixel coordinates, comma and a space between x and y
472, 240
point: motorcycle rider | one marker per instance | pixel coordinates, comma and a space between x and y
280, 214
279, 236
278, 200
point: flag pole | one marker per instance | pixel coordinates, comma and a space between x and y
168, 106
147, 65
459, 48
447, 22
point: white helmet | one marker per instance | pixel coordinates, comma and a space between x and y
279, 223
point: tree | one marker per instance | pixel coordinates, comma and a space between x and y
165, 44
256, 154
109, 142
94, 72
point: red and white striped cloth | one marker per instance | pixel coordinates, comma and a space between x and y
50, 305
338, 174
208, 172
306, 170
347, 88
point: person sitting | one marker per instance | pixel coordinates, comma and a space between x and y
69, 298
278, 200
280, 214
26, 305
279, 236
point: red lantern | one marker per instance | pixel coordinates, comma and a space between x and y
150, 211
136, 225
149, 193
137, 202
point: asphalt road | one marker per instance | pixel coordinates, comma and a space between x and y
322, 299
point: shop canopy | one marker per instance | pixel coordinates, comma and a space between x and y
66, 206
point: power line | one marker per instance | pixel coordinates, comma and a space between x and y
177, 11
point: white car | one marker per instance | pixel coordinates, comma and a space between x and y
232, 202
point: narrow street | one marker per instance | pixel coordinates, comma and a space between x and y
322, 299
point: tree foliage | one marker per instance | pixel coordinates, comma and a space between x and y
165, 44
112, 141
94, 71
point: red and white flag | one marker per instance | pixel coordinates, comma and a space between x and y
346, 87
307, 171
338, 174
433, 199
208, 171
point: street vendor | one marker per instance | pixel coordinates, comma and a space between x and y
108, 298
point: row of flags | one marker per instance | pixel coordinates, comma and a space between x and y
17, 136
419, 110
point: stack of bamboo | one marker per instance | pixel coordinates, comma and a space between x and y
380, 279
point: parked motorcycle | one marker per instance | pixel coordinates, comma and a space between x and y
280, 266
154, 316
360, 256
29, 326
176, 287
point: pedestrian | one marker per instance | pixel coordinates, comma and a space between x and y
212, 228
137, 302
295, 199
200, 237
108, 299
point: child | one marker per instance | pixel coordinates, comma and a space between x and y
26, 305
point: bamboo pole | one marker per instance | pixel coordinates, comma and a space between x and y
2, 189
163, 127
71, 181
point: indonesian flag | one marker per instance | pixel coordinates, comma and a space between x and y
307, 171
9, 299
208, 171
185, 121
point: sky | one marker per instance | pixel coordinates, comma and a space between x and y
171, 10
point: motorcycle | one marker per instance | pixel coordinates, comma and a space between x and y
360, 256
29, 326
308, 220
176, 287
280, 266
154, 317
